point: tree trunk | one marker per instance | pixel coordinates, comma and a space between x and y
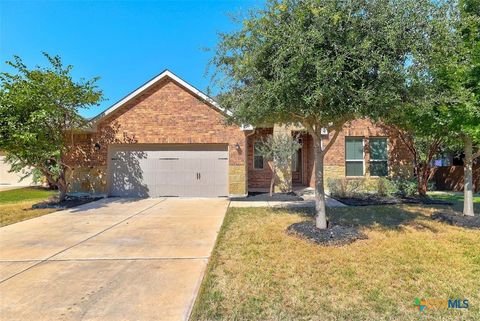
423, 173
62, 187
62, 194
272, 181
321, 214
468, 177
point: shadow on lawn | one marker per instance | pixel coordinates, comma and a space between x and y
378, 217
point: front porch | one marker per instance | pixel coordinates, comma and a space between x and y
260, 171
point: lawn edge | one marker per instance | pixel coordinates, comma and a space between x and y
212, 264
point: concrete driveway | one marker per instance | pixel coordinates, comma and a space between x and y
9, 187
115, 259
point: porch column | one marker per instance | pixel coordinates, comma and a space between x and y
283, 183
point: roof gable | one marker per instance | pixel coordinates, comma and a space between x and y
166, 74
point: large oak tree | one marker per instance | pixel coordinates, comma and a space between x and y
320, 63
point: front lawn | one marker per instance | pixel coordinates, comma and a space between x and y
257, 272
452, 196
16, 204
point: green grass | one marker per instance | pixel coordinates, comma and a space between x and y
25, 194
16, 204
452, 196
258, 272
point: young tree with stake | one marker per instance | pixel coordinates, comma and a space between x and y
278, 150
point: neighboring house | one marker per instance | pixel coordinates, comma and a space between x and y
169, 139
9, 178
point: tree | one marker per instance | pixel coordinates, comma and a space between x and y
467, 122
441, 108
38, 110
419, 122
419, 129
320, 63
450, 75
278, 150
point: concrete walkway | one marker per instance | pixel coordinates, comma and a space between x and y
115, 259
309, 202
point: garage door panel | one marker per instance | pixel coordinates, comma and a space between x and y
192, 170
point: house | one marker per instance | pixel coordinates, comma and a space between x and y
167, 138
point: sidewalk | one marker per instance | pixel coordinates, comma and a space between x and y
292, 204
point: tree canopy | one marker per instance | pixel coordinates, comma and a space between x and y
38, 107
320, 63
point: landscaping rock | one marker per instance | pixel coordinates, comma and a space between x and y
265, 197
461, 220
335, 235
369, 200
67, 203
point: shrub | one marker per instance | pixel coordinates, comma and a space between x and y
386, 187
409, 187
343, 187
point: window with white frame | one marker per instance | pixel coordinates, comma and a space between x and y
257, 158
378, 156
354, 160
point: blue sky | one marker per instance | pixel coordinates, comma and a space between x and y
124, 43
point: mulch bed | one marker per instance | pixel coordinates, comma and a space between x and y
69, 202
459, 219
265, 197
335, 235
379, 200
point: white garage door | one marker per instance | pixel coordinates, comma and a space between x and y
165, 170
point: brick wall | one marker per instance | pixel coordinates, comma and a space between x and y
166, 113
258, 178
399, 161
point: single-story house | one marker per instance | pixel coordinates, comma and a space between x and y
167, 138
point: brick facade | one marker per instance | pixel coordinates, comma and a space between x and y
165, 113
258, 178
168, 113
399, 160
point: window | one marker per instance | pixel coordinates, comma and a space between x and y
354, 156
378, 157
257, 158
